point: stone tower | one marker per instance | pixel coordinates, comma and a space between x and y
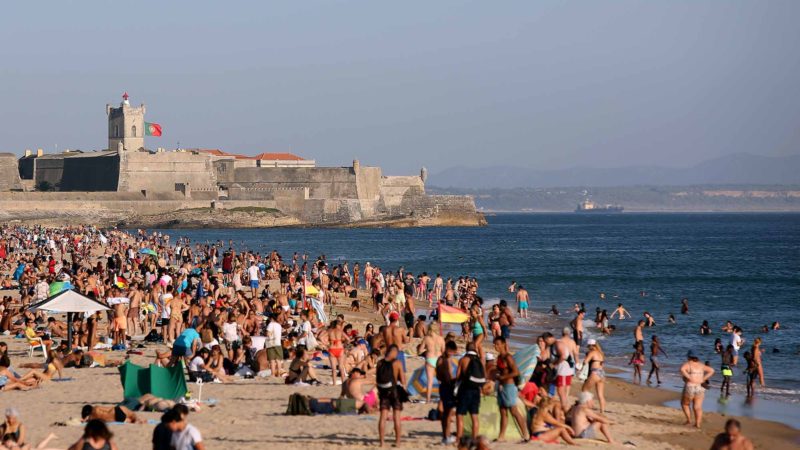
125, 125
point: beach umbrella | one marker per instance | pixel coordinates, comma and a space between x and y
59, 286
69, 301
418, 382
526, 359
311, 289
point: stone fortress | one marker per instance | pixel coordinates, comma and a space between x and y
126, 182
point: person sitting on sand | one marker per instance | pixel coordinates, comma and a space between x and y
587, 423
545, 425
52, 367
300, 371
13, 429
732, 438
95, 436
109, 414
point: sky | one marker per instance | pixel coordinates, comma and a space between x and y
539, 84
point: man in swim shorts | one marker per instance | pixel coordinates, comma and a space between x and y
587, 423
522, 302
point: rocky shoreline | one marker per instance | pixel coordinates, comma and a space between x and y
245, 217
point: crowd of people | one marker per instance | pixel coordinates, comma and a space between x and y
225, 315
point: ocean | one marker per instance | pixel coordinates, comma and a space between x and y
741, 267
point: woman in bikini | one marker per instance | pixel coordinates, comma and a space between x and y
494, 321
755, 351
694, 374
336, 351
637, 360
478, 327
545, 426
597, 375
216, 365
300, 371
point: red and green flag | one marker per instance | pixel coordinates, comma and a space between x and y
152, 129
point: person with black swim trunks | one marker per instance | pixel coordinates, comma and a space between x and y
109, 414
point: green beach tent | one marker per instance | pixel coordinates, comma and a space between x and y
162, 382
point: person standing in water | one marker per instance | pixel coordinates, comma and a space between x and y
621, 311
727, 371
755, 351
522, 302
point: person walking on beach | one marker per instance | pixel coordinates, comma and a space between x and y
732, 438
637, 360
752, 373
727, 371
390, 378
522, 302
655, 363
470, 378
597, 375
694, 374
507, 392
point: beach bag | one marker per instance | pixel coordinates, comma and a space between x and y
346, 406
299, 405
153, 336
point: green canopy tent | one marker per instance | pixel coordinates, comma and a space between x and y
162, 382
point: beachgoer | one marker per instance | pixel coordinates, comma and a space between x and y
621, 311
507, 392
185, 436
470, 378
95, 436
431, 348
587, 423
737, 341
755, 351
109, 414
727, 371
694, 375
13, 429
597, 375
390, 379
732, 438
655, 363
522, 302
565, 355
447, 386
637, 361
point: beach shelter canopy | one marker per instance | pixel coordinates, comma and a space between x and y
161, 382
69, 301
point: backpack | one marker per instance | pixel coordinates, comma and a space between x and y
298, 406
153, 336
476, 375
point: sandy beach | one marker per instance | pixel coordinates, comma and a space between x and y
249, 414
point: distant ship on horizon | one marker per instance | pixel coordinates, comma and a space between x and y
588, 206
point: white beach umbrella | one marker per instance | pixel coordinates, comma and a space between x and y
69, 301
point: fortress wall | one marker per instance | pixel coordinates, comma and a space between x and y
93, 173
9, 173
323, 182
394, 189
161, 171
50, 171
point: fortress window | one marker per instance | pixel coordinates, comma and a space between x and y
116, 130
133, 131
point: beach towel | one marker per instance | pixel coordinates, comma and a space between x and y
526, 359
319, 308
490, 420
162, 382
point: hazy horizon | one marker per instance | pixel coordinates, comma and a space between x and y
543, 85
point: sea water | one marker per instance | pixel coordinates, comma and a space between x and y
739, 267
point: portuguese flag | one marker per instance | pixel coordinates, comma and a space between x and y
152, 129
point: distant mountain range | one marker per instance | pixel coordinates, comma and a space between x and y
733, 169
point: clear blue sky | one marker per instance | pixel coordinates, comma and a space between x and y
544, 84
